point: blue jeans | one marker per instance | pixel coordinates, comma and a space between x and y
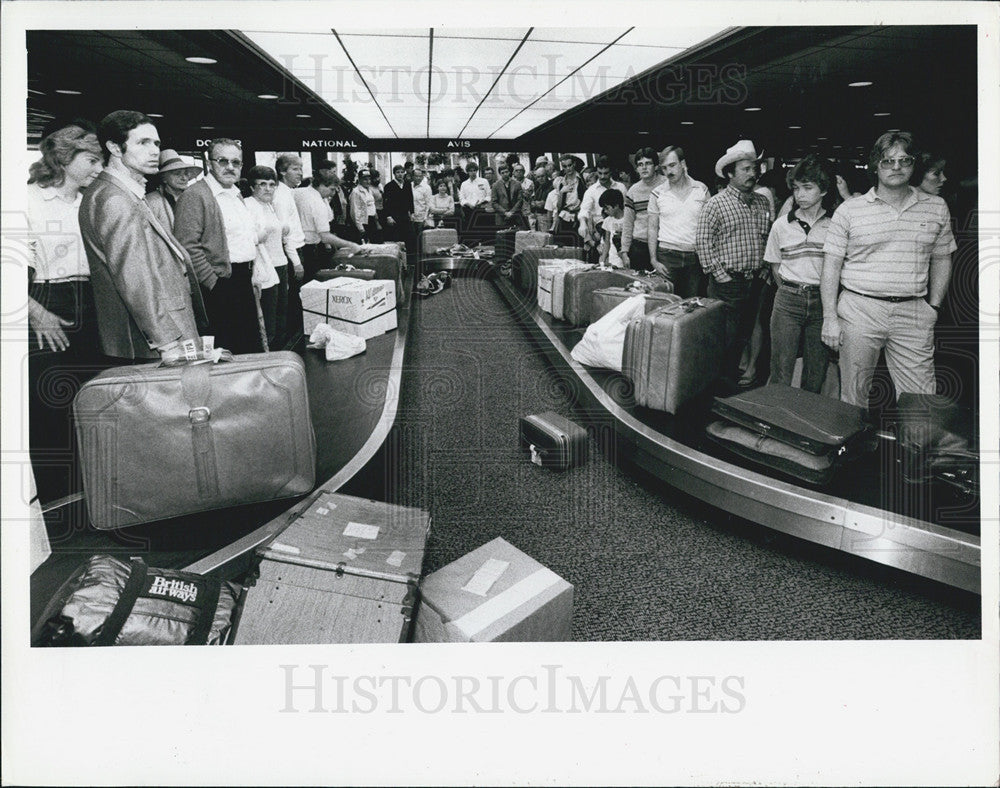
741, 298
797, 318
684, 272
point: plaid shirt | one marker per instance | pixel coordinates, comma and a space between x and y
731, 235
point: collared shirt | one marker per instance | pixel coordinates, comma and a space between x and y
798, 248
636, 225
315, 213
678, 218
362, 206
284, 207
475, 191
732, 232
422, 200
241, 232
137, 187
589, 206
272, 230
886, 251
55, 226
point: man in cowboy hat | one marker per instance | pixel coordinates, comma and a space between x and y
730, 240
176, 172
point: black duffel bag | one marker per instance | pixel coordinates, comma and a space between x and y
108, 602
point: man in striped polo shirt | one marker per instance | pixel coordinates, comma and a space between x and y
635, 243
889, 253
795, 253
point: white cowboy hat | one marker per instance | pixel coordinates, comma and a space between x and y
743, 149
171, 161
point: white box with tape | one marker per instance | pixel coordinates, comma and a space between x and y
363, 308
494, 594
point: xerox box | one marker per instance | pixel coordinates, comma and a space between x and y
364, 309
494, 594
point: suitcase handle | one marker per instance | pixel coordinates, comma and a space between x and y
226, 356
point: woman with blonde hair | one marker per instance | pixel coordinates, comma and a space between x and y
63, 343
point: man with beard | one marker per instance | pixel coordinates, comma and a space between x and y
731, 236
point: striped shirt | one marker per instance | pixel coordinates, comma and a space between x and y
888, 252
636, 217
731, 234
798, 250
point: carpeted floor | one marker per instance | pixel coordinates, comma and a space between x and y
647, 562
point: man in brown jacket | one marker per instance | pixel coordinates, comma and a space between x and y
147, 299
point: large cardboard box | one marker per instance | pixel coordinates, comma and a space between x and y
494, 594
345, 571
365, 309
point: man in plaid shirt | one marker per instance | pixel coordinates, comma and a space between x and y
731, 236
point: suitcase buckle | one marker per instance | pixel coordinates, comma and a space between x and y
199, 415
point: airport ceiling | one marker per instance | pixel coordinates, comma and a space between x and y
787, 88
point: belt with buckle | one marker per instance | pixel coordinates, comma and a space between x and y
685, 256
800, 286
890, 299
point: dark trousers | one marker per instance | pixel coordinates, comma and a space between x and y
232, 312
274, 306
684, 271
638, 256
741, 297
314, 257
54, 378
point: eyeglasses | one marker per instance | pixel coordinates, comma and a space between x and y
227, 162
902, 161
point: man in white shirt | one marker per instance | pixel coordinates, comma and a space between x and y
673, 211
220, 235
289, 169
422, 194
316, 215
591, 218
474, 194
363, 212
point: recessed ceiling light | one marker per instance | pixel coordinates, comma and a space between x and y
643, 132
752, 109
687, 122
892, 129
267, 96
203, 60
882, 114
70, 92
822, 138
208, 127
154, 115
303, 116
862, 84
326, 128
795, 127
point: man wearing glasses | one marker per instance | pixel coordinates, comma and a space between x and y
218, 231
888, 252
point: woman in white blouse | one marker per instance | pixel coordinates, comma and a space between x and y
273, 300
63, 344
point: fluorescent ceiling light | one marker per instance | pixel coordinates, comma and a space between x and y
70, 92
859, 84
207, 61
474, 82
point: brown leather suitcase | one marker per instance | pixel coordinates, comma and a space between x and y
438, 238
604, 300
579, 285
525, 264
388, 260
164, 441
674, 352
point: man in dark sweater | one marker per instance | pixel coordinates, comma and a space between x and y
397, 201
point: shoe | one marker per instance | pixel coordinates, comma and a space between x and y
445, 278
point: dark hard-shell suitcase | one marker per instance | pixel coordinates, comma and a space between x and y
525, 264
164, 441
432, 240
810, 422
553, 440
107, 602
531, 239
937, 441
388, 260
674, 352
604, 300
579, 285
344, 269
773, 454
504, 246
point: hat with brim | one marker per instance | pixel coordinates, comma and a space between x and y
541, 160
743, 149
172, 161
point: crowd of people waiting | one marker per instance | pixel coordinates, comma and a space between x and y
134, 256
